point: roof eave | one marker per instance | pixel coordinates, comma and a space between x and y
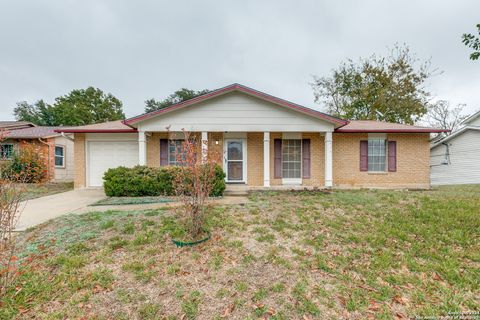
471, 118
453, 135
97, 131
33, 137
391, 130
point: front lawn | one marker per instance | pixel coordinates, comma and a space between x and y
120, 201
284, 255
37, 190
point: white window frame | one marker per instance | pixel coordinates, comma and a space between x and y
298, 180
385, 156
2, 157
63, 156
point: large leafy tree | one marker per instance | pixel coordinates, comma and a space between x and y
79, 107
377, 88
39, 113
176, 97
473, 42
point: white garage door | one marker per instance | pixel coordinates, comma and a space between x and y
103, 155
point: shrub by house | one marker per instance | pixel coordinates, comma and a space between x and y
142, 181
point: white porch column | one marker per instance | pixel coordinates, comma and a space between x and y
204, 146
142, 148
328, 160
266, 159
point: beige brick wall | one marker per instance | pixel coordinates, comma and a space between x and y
79, 159
153, 148
413, 162
216, 150
413, 155
317, 159
255, 158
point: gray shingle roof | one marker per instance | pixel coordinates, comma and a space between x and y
15, 125
32, 133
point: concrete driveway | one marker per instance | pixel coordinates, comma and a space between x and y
39, 210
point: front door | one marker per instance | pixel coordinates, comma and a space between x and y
235, 160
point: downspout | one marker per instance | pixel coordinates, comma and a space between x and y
445, 162
48, 156
447, 154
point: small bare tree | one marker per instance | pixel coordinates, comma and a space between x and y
442, 115
10, 197
194, 180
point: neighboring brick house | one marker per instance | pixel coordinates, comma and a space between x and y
58, 148
266, 142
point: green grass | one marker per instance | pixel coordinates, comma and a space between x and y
119, 201
37, 190
149, 311
284, 255
191, 303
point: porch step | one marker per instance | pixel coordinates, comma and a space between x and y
236, 190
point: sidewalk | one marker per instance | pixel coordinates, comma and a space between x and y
39, 210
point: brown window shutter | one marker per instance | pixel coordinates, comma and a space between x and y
306, 158
364, 155
392, 156
164, 152
277, 164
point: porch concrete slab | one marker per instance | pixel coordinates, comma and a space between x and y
39, 210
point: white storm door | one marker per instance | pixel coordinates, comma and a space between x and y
235, 160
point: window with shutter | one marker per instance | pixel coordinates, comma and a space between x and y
277, 164
291, 158
392, 156
377, 155
306, 158
164, 152
364, 155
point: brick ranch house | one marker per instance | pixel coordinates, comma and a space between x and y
57, 148
265, 141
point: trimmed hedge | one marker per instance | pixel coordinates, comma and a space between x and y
142, 181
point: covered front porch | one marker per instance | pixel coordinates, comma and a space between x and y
253, 160
265, 141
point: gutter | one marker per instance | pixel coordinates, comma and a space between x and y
97, 131
426, 130
67, 137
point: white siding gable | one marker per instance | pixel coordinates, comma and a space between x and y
235, 112
464, 166
475, 122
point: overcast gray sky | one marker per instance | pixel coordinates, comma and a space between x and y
142, 49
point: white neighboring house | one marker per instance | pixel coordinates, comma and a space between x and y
456, 159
